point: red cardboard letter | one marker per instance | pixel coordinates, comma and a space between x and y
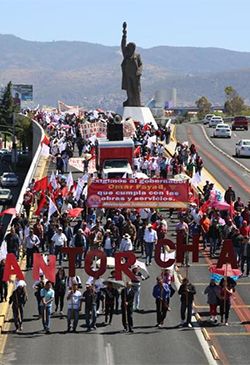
89, 261
158, 250
12, 268
227, 255
48, 270
120, 267
72, 252
182, 247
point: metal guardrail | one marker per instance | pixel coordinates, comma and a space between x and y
29, 175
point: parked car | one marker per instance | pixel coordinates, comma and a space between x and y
207, 118
215, 120
8, 179
222, 130
240, 123
5, 197
243, 148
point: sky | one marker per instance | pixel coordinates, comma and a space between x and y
196, 23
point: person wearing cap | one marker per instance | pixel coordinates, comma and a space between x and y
59, 240
126, 243
161, 293
108, 243
127, 300
18, 299
150, 239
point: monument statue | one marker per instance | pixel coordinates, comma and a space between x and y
131, 71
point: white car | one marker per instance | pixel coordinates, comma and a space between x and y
8, 179
222, 130
207, 118
215, 120
243, 148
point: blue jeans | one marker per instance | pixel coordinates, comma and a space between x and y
213, 245
108, 252
46, 311
90, 314
137, 290
73, 314
149, 246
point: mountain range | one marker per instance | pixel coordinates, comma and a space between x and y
86, 74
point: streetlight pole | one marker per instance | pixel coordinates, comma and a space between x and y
13, 152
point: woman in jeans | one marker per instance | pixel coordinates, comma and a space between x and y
60, 289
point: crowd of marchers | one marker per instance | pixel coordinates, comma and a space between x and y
114, 230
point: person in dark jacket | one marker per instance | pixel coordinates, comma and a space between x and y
90, 299
3, 284
13, 242
245, 254
127, 301
110, 294
161, 293
18, 299
60, 289
229, 195
214, 236
79, 240
186, 292
213, 299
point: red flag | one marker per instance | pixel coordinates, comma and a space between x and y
41, 204
137, 151
204, 206
231, 210
75, 212
41, 185
65, 191
11, 211
46, 140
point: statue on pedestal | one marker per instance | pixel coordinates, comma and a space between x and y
131, 71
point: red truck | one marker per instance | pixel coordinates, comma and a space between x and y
114, 159
240, 123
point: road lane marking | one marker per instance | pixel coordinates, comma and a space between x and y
204, 344
228, 334
233, 306
223, 152
109, 354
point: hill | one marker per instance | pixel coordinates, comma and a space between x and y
90, 75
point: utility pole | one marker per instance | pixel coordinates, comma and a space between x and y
14, 152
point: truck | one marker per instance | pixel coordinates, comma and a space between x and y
114, 159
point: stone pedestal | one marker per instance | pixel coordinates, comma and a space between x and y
141, 114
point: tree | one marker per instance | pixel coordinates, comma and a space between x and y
234, 104
7, 107
204, 107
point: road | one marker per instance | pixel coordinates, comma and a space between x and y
148, 345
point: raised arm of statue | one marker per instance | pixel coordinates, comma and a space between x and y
124, 39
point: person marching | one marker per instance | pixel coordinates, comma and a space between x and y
18, 299
161, 293
213, 299
110, 295
226, 292
90, 298
127, 297
74, 304
47, 295
137, 286
187, 292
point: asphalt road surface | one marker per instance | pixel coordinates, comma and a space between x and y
148, 345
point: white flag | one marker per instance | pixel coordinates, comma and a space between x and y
70, 180
3, 251
53, 181
78, 190
196, 179
52, 209
45, 150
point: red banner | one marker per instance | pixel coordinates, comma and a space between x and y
137, 193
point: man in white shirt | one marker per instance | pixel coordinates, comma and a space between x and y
150, 239
32, 246
59, 240
74, 305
